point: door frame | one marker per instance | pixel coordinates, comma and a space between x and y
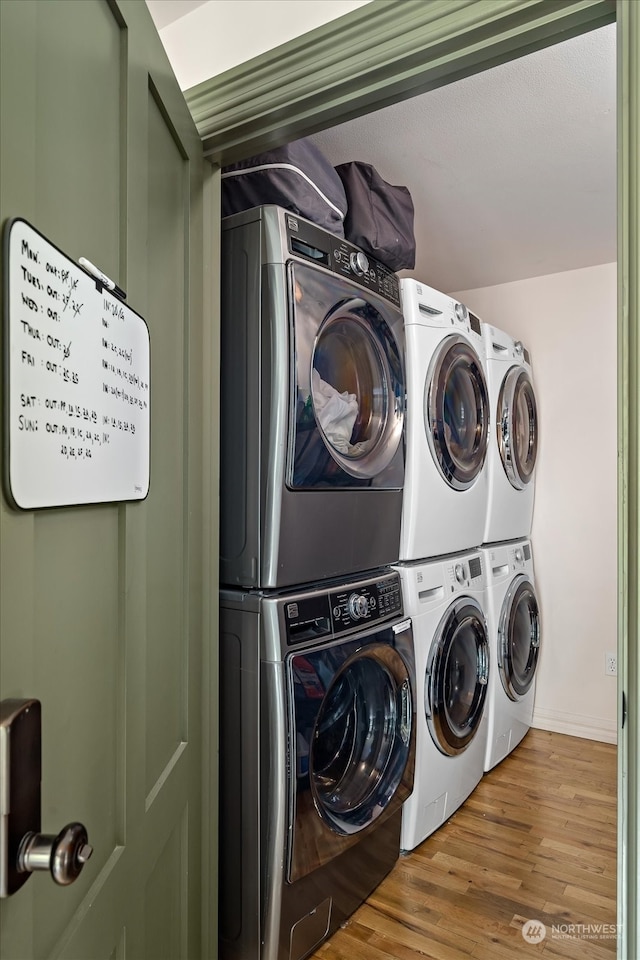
383, 53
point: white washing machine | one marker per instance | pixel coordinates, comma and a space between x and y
513, 443
513, 617
445, 600
446, 485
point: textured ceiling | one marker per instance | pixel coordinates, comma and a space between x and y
512, 171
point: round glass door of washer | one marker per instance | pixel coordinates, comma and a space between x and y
519, 638
456, 412
361, 739
518, 427
456, 677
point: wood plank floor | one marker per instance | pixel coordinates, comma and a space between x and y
535, 841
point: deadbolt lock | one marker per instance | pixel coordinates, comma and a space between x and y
23, 849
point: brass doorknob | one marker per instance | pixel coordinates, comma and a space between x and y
63, 856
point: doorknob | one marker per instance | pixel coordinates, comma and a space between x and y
63, 856
23, 849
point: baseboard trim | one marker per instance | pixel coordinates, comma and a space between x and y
590, 728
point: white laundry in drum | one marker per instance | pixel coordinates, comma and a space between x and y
336, 413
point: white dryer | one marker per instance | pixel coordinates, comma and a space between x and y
513, 616
446, 486
513, 444
445, 600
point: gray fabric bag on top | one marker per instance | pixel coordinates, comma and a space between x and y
379, 216
296, 176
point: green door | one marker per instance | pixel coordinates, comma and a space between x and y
101, 612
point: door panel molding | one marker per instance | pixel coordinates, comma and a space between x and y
104, 605
379, 54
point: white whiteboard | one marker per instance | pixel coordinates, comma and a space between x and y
77, 390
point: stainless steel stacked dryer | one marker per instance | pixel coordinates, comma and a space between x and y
317, 668
313, 395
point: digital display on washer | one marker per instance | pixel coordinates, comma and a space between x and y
474, 322
313, 253
527, 552
475, 568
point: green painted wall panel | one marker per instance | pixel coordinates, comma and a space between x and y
167, 636
77, 183
164, 900
102, 608
75, 572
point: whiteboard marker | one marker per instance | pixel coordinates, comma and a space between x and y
102, 277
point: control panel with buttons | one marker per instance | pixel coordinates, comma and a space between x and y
315, 245
462, 573
369, 603
317, 615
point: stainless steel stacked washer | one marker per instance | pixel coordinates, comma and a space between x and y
316, 757
317, 669
312, 404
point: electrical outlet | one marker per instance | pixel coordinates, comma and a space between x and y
611, 664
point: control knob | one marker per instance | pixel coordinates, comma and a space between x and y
459, 572
359, 263
358, 606
519, 555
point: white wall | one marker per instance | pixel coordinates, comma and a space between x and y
568, 323
221, 34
